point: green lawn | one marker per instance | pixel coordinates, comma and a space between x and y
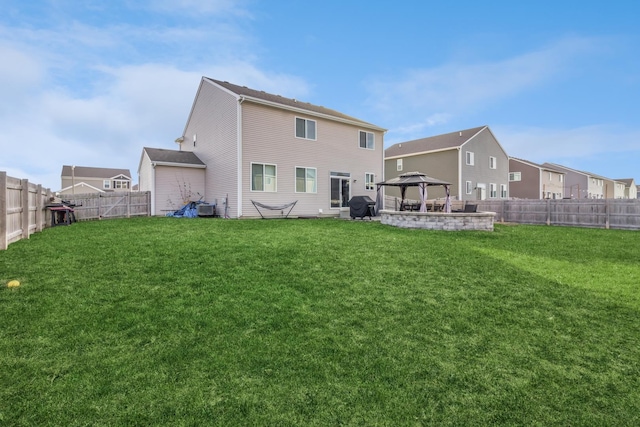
165, 321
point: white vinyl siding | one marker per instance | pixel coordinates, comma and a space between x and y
305, 128
263, 177
306, 180
367, 140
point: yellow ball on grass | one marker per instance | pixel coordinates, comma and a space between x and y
13, 284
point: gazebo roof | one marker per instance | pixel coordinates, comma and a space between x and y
413, 179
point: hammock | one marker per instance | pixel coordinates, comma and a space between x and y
280, 208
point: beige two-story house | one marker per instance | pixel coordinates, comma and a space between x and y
580, 184
265, 151
84, 179
530, 180
472, 160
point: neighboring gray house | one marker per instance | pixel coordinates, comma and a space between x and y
265, 148
630, 188
529, 180
580, 184
84, 179
472, 160
172, 177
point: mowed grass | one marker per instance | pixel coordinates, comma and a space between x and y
191, 322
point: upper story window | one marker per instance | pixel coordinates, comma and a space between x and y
369, 181
515, 176
399, 165
492, 162
470, 158
121, 184
305, 128
106, 183
561, 178
306, 181
263, 177
367, 140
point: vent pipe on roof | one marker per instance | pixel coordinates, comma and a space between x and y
460, 133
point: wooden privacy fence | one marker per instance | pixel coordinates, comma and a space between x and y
22, 209
597, 213
110, 205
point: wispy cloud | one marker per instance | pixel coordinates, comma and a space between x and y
456, 88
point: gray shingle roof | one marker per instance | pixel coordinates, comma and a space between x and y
289, 102
91, 172
173, 156
538, 165
432, 143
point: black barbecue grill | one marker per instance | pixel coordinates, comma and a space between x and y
361, 206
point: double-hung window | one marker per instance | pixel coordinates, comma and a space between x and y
470, 158
369, 181
263, 177
367, 140
106, 184
493, 191
306, 181
305, 128
503, 191
515, 176
492, 162
468, 187
399, 165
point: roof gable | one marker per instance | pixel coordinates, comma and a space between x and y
447, 141
249, 94
98, 173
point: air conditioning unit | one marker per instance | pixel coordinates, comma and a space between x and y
206, 210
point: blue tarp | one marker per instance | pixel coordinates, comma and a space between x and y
190, 210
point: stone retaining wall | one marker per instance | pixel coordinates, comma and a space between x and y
439, 220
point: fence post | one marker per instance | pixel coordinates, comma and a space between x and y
3, 210
606, 213
24, 202
548, 211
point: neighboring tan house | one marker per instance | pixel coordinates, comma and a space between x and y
83, 180
630, 188
472, 160
529, 180
614, 189
265, 148
172, 177
580, 184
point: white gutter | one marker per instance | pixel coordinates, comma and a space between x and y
460, 175
241, 99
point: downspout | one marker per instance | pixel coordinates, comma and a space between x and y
460, 174
153, 189
239, 156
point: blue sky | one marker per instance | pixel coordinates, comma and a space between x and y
89, 83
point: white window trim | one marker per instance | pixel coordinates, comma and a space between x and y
295, 183
468, 187
275, 177
493, 162
503, 191
306, 130
517, 176
493, 188
399, 165
372, 182
367, 133
469, 158
106, 184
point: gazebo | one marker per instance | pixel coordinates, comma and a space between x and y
415, 179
